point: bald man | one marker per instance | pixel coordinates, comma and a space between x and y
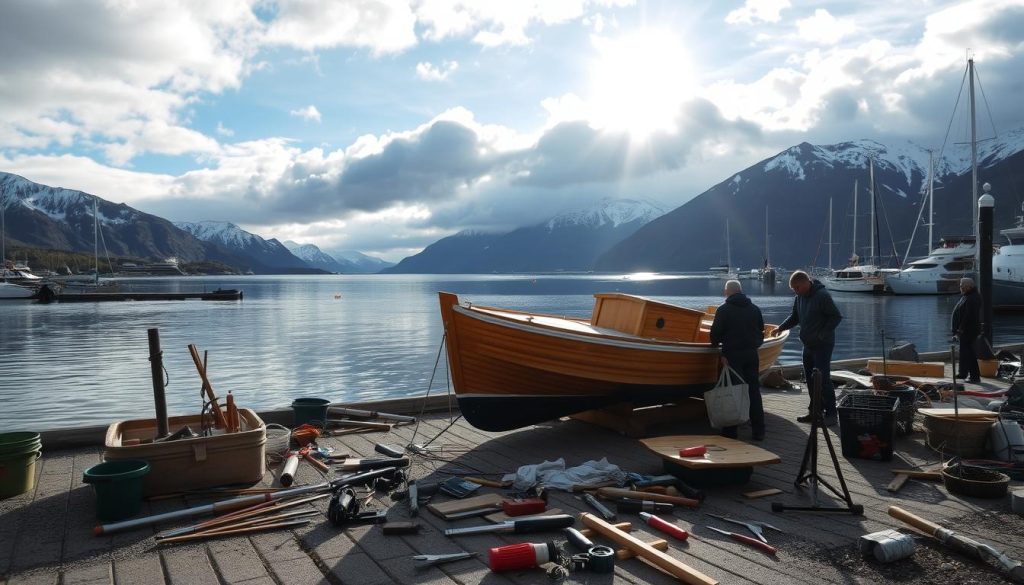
739, 329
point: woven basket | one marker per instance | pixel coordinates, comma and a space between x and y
975, 481
941, 435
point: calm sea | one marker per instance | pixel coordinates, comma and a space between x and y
346, 338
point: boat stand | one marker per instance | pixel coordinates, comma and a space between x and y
627, 419
809, 467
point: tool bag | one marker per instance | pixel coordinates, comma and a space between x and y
728, 403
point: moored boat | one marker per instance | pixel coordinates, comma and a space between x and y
512, 368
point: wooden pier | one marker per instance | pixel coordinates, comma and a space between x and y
89, 297
46, 535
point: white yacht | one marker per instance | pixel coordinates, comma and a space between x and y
940, 272
1008, 269
866, 278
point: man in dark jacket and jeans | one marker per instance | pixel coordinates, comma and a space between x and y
739, 328
966, 325
818, 317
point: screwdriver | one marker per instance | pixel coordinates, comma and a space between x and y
538, 524
747, 540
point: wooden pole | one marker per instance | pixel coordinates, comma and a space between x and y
246, 530
674, 567
156, 366
607, 492
218, 415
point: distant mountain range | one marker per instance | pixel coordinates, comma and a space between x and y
343, 261
39, 216
794, 187
570, 241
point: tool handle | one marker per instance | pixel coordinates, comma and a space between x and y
577, 539
918, 522
290, 467
316, 462
621, 493
753, 542
664, 526
553, 522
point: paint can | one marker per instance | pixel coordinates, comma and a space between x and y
1017, 502
887, 545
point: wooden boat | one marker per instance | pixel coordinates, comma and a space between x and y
511, 368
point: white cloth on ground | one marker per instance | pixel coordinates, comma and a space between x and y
553, 474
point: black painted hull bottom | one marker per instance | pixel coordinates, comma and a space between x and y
498, 412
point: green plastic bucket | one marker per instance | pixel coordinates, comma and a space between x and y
308, 410
118, 488
18, 472
19, 443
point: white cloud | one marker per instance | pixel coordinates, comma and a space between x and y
383, 26
309, 113
823, 28
429, 72
754, 11
223, 130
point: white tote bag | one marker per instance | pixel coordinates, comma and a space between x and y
728, 402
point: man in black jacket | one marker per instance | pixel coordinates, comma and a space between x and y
739, 328
817, 315
966, 325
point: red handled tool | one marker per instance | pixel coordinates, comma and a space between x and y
524, 555
523, 507
698, 451
765, 547
664, 526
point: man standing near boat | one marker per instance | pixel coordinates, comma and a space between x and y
739, 329
817, 315
966, 325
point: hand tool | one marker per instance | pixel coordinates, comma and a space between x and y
633, 506
747, 540
671, 480
291, 465
367, 464
601, 508
613, 493
961, 543
577, 539
538, 524
307, 454
697, 451
388, 450
371, 414
754, 527
524, 555
670, 565
424, 561
242, 502
598, 559
664, 526
400, 528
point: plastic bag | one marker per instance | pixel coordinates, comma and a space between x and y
728, 403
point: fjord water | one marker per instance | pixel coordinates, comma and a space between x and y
345, 338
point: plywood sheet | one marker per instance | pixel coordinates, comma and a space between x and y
722, 452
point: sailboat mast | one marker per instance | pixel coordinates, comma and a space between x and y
767, 261
871, 177
728, 248
830, 232
974, 154
931, 199
854, 252
96, 238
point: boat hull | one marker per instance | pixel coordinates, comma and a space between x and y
513, 370
902, 284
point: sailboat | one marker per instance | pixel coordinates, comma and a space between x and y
725, 270
857, 277
89, 282
9, 290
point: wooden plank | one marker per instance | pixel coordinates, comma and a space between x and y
904, 368
636, 422
475, 503
973, 413
762, 493
932, 475
722, 452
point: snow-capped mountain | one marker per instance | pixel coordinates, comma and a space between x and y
317, 258
361, 263
570, 241
269, 253
41, 216
793, 189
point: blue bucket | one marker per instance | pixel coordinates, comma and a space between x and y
309, 410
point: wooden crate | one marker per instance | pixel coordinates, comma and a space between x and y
901, 368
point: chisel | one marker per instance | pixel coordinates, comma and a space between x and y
538, 524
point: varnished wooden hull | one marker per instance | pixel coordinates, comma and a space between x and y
513, 369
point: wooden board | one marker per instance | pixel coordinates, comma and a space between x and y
501, 516
903, 368
762, 493
897, 482
722, 452
974, 413
456, 506
636, 422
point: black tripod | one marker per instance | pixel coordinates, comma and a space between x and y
809, 468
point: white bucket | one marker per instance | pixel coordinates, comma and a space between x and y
1007, 441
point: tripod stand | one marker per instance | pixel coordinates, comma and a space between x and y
809, 468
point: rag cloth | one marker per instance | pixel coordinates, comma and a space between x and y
553, 474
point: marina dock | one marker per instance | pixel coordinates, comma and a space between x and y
89, 297
46, 535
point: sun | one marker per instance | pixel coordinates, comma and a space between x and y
639, 81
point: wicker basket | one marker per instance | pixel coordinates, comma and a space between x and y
975, 481
941, 435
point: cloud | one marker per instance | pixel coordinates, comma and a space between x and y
308, 113
383, 26
758, 10
223, 130
823, 28
429, 72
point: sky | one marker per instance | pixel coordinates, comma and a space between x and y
385, 125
